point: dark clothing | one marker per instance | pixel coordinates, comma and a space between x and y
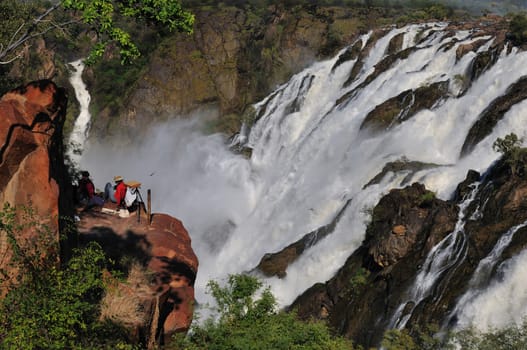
86, 189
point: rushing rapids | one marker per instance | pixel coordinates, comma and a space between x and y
427, 97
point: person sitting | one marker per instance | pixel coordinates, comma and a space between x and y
87, 196
116, 193
86, 187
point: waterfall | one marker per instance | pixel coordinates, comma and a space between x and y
80, 127
466, 311
443, 257
310, 157
502, 302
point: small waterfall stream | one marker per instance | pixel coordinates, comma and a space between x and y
481, 277
444, 256
81, 126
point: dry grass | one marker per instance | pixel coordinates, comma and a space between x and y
122, 301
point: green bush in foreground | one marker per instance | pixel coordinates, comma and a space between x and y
249, 323
48, 307
511, 337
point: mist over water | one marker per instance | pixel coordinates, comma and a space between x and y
310, 157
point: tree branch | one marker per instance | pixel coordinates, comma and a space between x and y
19, 38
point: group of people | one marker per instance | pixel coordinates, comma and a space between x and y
118, 193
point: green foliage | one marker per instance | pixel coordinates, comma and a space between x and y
508, 144
511, 337
514, 155
395, 339
427, 198
518, 29
359, 280
102, 15
249, 323
46, 306
419, 339
24, 20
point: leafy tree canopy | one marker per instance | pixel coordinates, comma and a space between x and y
25, 20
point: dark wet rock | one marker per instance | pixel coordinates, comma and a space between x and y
465, 187
395, 45
351, 53
398, 166
385, 64
357, 67
403, 106
358, 301
275, 264
398, 220
303, 89
488, 119
462, 50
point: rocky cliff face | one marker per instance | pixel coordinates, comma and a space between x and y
163, 247
234, 57
32, 170
370, 293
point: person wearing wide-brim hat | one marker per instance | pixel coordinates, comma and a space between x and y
117, 192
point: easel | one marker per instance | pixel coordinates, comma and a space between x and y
140, 203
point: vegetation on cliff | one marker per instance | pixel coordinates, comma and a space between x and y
518, 28
513, 154
48, 306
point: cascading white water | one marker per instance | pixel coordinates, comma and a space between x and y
80, 127
310, 157
503, 302
469, 307
440, 260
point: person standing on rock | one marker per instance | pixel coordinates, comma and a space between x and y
117, 192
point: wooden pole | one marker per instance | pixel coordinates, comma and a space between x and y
138, 211
149, 206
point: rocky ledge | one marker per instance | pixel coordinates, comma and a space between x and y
163, 248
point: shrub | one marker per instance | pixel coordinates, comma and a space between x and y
248, 323
518, 29
48, 307
359, 280
510, 337
514, 155
418, 339
427, 198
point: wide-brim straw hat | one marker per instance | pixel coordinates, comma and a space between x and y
117, 178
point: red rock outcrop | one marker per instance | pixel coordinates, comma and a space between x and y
164, 248
31, 162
